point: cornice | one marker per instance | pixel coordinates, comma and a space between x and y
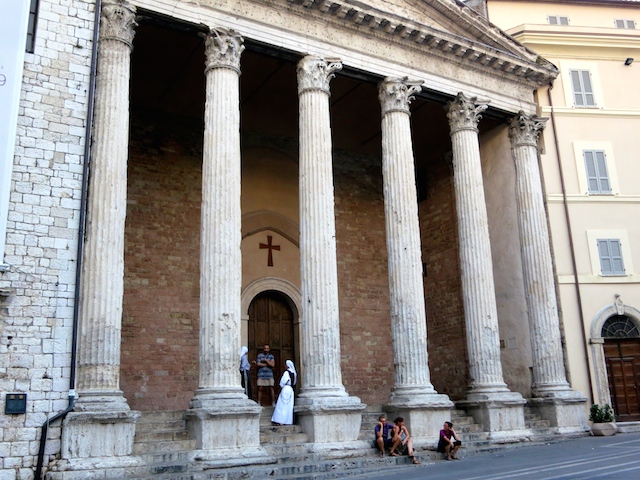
522, 64
590, 112
576, 36
602, 199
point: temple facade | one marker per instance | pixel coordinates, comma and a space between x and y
356, 184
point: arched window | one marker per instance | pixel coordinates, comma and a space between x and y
620, 326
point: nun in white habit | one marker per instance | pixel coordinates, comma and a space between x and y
283, 414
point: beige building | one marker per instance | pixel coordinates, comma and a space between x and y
591, 169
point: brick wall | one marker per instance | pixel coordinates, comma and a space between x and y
36, 316
446, 330
160, 325
367, 350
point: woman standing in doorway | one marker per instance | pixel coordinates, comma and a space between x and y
283, 414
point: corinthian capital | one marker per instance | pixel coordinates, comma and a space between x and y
223, 48
395, 94
118, 21
464, 112
525, 129
315, 73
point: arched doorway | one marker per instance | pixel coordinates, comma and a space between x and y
622, 356
271, 321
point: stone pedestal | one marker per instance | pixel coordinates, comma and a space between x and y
330, 421
565, 414
423, 421
240, 442
97, 445
325, 410
501, 415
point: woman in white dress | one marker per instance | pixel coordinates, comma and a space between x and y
283, 414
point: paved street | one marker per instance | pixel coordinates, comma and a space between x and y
584, 458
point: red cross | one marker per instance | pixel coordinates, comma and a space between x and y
271, 248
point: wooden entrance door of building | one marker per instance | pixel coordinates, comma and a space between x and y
270, 322
623, 369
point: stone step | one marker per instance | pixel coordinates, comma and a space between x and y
281, 429
537, 423
168, 458
280, 438
162, 447
161, 436
164, 426
162, 416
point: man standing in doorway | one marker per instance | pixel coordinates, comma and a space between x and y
265, 362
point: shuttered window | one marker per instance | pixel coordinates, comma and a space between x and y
610, 257
597, 175
557, 20
582, 88
630, 24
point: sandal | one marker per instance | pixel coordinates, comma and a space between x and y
416, 461
393, 454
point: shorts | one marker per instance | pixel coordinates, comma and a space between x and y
265, 382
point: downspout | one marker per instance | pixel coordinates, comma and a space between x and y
80, 249
574, 266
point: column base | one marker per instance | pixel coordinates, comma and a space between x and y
226, 429
423, 421
499, 414
107, 455
330, 419
565, 411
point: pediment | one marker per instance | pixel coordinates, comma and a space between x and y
445, 27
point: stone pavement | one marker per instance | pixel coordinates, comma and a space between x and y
580, 458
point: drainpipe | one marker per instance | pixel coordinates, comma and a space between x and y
80, 249
576, 282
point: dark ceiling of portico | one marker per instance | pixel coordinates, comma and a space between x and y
167, 75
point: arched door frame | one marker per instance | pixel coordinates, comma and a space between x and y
596, 341
294, 300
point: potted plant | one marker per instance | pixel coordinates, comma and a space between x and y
603, 420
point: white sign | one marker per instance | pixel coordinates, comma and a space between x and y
14, 18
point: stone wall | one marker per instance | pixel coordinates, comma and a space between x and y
36, 316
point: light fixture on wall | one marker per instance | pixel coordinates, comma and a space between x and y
628, 61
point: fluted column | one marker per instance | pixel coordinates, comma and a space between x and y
478, 291
408, 316
318, 265
220, 233
323, 395
103, 262
219, 404
549, 376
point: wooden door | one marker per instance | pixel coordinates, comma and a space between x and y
270, 322
623, 369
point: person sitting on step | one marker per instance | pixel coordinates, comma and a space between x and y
449, 441
402, 441
382, 430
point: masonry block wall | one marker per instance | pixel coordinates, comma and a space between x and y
159, 353
363, 281
446, 331
36, 315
